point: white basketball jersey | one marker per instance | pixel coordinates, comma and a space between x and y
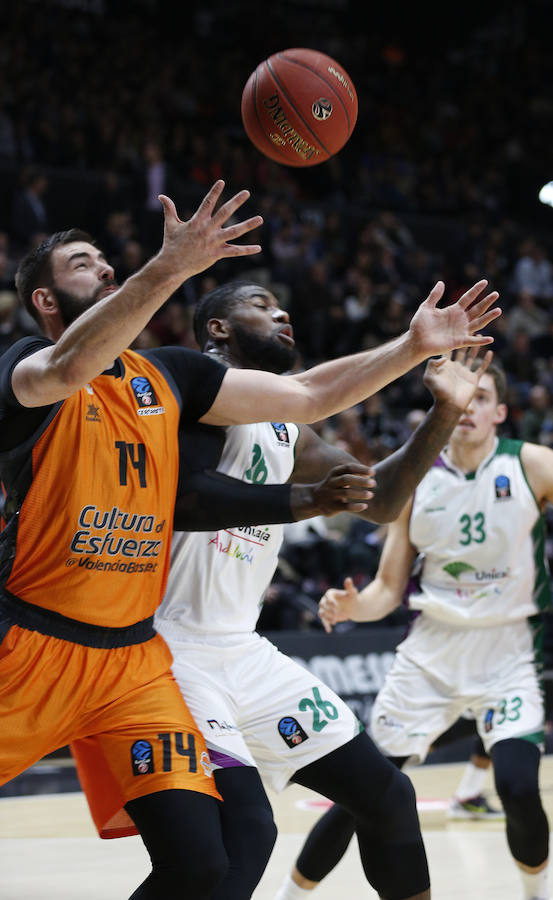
217, 579
482, 538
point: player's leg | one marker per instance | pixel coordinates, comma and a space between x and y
511, 718
409, 704
382, 801
182, 835
469, 800
323, 849
353, 773
516, 767
144, 765
204, 676
41, 696
249, 830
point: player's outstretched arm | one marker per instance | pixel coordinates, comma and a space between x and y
452, 380
324, 390
91, 343
385, 592
210, 500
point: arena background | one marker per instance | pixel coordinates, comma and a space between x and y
102, 100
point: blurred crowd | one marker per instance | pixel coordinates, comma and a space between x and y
104, 106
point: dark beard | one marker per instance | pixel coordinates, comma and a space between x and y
267, 354
71, 307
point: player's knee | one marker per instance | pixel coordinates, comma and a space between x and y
199, 876
516, 765
263, 828
396, 808
258, 830
192, 875
399, 796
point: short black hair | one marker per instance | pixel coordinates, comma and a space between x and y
217, 304
35, 269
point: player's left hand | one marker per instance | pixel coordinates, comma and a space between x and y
434, 329
346, 488
453, 378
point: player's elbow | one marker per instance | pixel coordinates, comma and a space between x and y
381, 511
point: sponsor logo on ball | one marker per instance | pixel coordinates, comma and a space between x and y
322, 109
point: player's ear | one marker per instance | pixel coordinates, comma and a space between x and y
218, 329
500, 413
44, 300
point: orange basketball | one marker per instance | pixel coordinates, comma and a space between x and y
299, 107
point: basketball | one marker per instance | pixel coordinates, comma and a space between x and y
299, 107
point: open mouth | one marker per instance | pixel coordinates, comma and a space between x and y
286, 334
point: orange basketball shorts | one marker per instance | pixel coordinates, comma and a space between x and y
130, 731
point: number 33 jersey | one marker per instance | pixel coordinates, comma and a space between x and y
481, 537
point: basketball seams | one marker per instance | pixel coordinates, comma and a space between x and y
281, 150
293, 95
289, 100
258, 120
273, 148
330, 84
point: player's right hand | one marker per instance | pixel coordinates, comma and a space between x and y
193, 246
337, 605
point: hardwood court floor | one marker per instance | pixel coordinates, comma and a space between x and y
49, 850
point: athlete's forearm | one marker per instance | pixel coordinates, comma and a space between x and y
209, 501
341, 383
92, 342
398, 475
316, 394
375, 602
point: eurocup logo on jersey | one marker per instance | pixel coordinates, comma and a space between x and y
145, 395
291, 731
502, 487
488, 720
142, 758
281, 432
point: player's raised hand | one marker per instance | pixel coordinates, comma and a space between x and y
453, 378
439, 329
191, 247
337, 605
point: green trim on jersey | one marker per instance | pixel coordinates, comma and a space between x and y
509, 446
537, 627
542, 586
530, 486
538, 737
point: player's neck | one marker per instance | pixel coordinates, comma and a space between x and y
223, 355
467, 457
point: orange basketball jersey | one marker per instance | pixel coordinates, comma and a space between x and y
103, 535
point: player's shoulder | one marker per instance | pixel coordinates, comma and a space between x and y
24, 347
535, 455
537, 462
